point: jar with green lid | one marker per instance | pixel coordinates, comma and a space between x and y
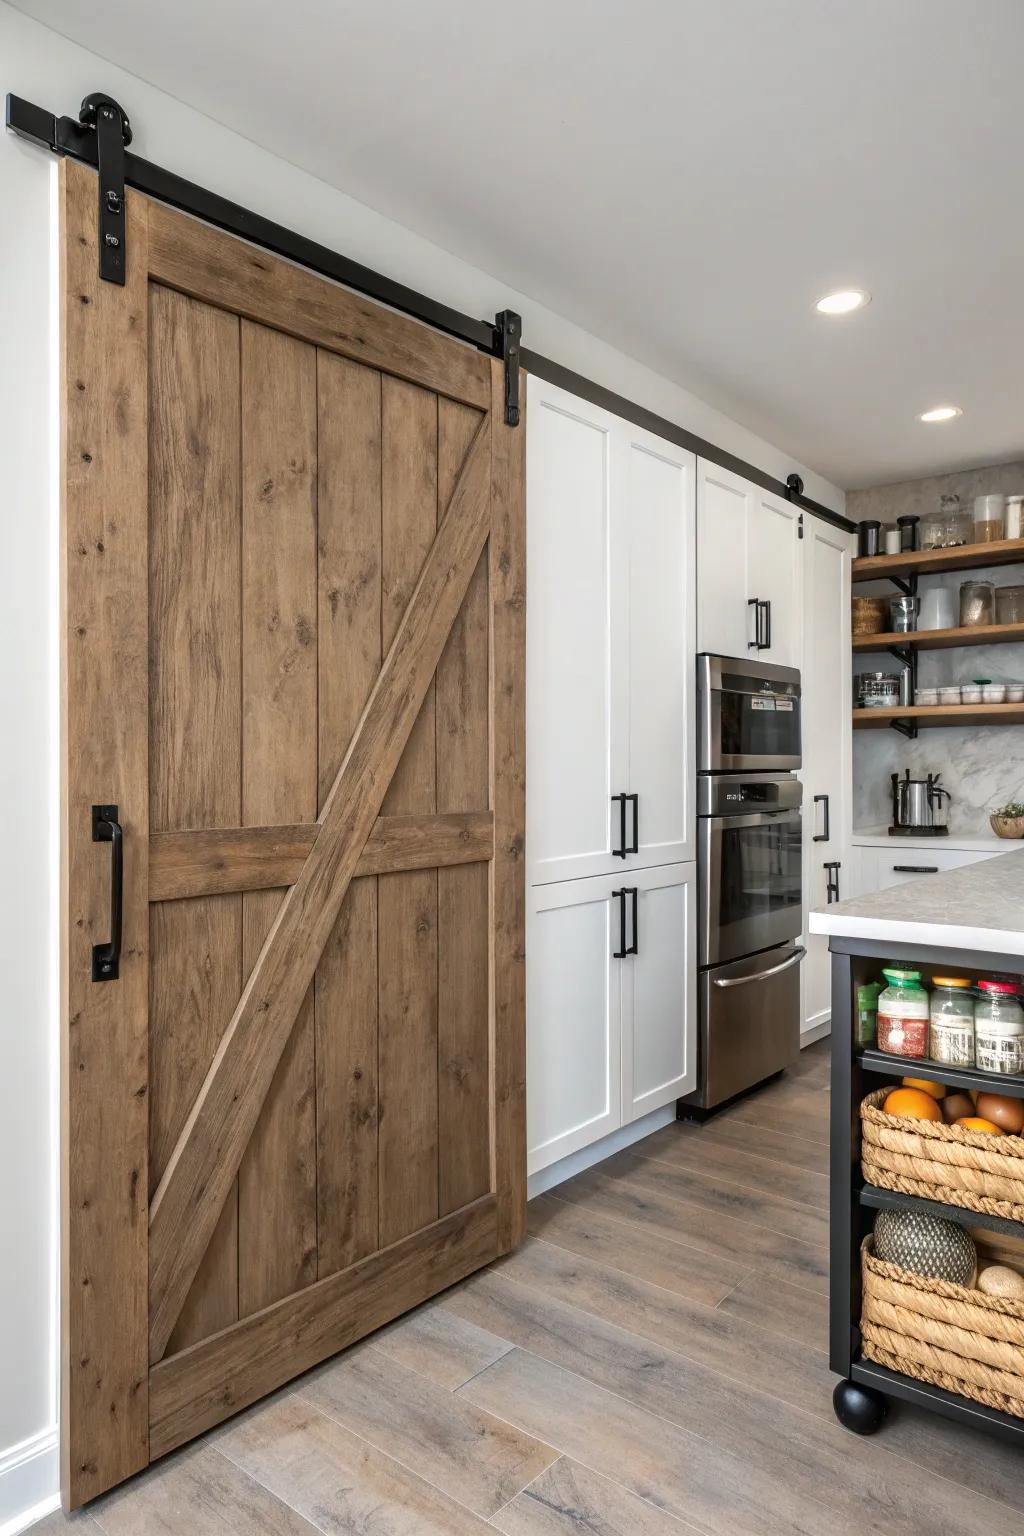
903, 1015
951, 1021
999, 1027
867, 1013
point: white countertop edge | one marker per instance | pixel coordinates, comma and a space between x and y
996, 941
954, 843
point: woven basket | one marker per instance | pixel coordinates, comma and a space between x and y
941, 1162
870, 615
955, 1338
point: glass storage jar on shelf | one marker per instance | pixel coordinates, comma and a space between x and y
951, 1022
903, 1015
947, 528
999, 1028
977, 604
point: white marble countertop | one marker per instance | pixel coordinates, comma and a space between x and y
983, 842
978, 907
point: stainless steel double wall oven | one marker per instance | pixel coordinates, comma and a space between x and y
749, 851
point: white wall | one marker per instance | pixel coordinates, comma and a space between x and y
56, 74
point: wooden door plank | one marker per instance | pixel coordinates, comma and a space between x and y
223, 270
195, 731
216, 1378
104, 1067
349, 657
407, 903
507, 591
463, 909
224, 859
189, 1198
277, 1174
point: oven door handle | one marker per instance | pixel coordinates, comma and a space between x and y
773, 970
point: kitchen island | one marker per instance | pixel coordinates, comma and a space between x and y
967, 923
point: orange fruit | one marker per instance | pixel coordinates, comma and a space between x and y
937, 1090
976, 1123
912, 1102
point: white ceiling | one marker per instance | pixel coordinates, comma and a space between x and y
681, 177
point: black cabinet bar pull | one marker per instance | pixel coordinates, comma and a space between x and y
832, 881
621, 851
625, 949
106, 828
915, 869
634, 846
822, 837
767, 625
755, 603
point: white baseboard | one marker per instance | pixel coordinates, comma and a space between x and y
586, 1157
29, 1480
816, 1032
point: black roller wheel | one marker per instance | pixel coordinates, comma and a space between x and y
858, 1408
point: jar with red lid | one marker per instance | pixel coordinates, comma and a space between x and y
999, 1027
903, 1015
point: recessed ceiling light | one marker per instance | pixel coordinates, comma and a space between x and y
844, 302
941, 413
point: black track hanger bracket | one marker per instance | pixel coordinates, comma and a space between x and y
113, 135
508, 331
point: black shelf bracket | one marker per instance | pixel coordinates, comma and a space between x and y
907, 728
113, 132
508, 331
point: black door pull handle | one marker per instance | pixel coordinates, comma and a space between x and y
625, 949
106, 828
755, 603
915, 869
822, 837
832, 881
625, 848
767, 625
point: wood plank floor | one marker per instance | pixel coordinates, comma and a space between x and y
651, 1362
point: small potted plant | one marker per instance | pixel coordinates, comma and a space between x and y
1008, 821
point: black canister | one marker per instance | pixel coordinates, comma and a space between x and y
868, 535
908, 533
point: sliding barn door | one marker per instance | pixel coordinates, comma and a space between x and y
293, 708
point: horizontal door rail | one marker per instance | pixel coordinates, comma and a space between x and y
218, 860
68, 136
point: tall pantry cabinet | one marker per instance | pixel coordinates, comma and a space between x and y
611, 640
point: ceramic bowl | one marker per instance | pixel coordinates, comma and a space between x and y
1007, 826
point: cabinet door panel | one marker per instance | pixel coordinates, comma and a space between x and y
826, 740
659, 496
774, 570
575, 670
659, 993
573, 1025
725, 505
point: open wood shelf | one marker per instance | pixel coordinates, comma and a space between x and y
888, 1200
940, 714
921, 562
941, 639
935, 1072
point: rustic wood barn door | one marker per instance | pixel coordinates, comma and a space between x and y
293, 686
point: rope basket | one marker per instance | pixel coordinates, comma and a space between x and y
954, 1338
941, 1162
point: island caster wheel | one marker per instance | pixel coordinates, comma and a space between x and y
858, 1408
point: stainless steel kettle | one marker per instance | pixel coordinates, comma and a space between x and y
919, 803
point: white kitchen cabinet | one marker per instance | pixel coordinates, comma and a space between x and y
659, 993
827, 743
573, 1017
896, 865
748, 555
609, 1037
610, 642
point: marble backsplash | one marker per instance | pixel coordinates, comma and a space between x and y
982, 767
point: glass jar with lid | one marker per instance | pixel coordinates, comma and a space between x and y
951, 1021
999, 1027
903, 1015
977, 603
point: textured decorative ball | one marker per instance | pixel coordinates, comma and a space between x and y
926, 1245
